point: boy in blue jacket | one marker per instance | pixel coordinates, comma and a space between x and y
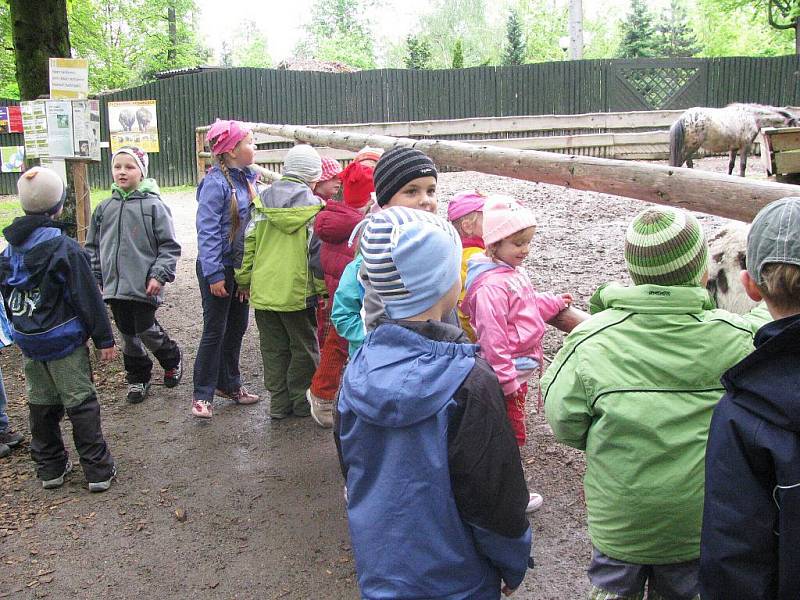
750, 544
436, 495
55, 307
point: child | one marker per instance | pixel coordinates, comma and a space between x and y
334, 225
465, 212
750, 540
133, 252
276, 276
634, 387
507, 314
435, 490
223, 212
403, 177
55, 307
330, 181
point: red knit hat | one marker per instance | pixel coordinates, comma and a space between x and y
358, 184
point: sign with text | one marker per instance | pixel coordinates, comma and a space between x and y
69, 78
133, 123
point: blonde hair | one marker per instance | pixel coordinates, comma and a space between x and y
459, 222
781, 285
233, 209
491, 249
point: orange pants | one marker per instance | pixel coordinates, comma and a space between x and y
515, 409
328, 375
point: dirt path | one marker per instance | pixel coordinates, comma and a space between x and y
263, 500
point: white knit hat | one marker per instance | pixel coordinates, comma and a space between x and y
304, 162
41, 191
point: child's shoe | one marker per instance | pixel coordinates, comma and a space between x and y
240, 396
202, 409
172, 377
11, 438
57, 482
137, 392
535, 502
102, 486
321, 411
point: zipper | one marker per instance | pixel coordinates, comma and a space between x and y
119, 237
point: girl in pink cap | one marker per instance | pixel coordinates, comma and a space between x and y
505, 311
223, 211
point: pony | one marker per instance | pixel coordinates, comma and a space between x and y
727, 252
732, 129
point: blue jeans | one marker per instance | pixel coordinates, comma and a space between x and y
216, 365
3, 402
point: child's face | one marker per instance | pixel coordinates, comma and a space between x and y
419, 193
244, 153
515, 248
126, 172
328, 189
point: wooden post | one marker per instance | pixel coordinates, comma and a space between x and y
692, 189
199, 147
83, 202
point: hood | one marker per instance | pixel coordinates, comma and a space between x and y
22, 227
336, 222
288, 205
404, 374
479, 265
24, 234
771, 375
654, 299
146, 186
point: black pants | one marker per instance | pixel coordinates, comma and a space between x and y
140, 332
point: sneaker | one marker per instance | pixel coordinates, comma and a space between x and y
4, 450
172, 377
202, 409
11, 438
321, 411
102, 486
535, 502
240, 396
137, 392
57, 482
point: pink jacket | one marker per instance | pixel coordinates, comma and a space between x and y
508, 316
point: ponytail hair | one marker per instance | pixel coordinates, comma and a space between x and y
233, 209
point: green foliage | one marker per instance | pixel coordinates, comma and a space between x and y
729, 28
8, 69
514, 53
458, 55
338, 32
542, 25
249, 48
418, 53
674, 36
638, 33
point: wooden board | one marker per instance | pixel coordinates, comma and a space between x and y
786, 162
783, 139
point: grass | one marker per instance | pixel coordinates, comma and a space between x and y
10, 208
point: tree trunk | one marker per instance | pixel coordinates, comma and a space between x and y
797, 36
172, 53
40, 31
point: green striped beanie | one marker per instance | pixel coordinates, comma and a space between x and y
666, 246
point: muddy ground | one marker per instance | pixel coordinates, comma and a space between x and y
260, 502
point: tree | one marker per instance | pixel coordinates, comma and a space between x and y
514, 53
8, 76
40, 32
542, 26
250, 47
674, 36
638, 33
338, 32
458, 55
783, 15
418, 53
723, 29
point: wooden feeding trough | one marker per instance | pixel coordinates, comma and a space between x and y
780, 151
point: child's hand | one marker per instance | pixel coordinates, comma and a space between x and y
218, 289
568, 299
153, 287
107, 354
243, 294
507, 591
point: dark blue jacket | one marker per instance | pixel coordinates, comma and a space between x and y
436, 493
215, 251
750, 546
53, 300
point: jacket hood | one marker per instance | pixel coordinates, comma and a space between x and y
146, 186
24, 234
771, 375
656, 299
22, 228
404, 374
479, 265
288, 205
336, 222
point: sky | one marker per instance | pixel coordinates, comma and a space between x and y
282, 20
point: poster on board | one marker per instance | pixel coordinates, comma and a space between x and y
86, 128
13, 157
133, 123
14, 119
69, 78
59, 128
4, 122
34, 123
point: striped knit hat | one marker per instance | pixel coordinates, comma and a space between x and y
396, 168
666, 246
412, 259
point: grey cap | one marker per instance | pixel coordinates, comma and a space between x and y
774, 236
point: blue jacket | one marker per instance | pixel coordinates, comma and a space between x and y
214, 248
436, 493
347, 304
750, 545
53, 300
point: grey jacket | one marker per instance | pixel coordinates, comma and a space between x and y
131, 239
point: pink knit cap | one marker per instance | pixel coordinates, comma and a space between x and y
503, 216
463, 203
330, 169
224, 135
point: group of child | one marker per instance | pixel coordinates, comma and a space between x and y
440, 329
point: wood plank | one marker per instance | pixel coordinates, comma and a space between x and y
787, 138
787, 162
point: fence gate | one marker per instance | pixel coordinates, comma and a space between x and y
656, 84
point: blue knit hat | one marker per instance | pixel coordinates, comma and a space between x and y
412, 259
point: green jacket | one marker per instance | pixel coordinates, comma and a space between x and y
634, 387
275, 266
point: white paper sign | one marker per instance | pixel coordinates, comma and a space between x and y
69, 78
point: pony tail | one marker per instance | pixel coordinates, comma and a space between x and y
234, 205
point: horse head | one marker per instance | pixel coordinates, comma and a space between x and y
789, 118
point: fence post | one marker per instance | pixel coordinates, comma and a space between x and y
199, 146
83, 203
